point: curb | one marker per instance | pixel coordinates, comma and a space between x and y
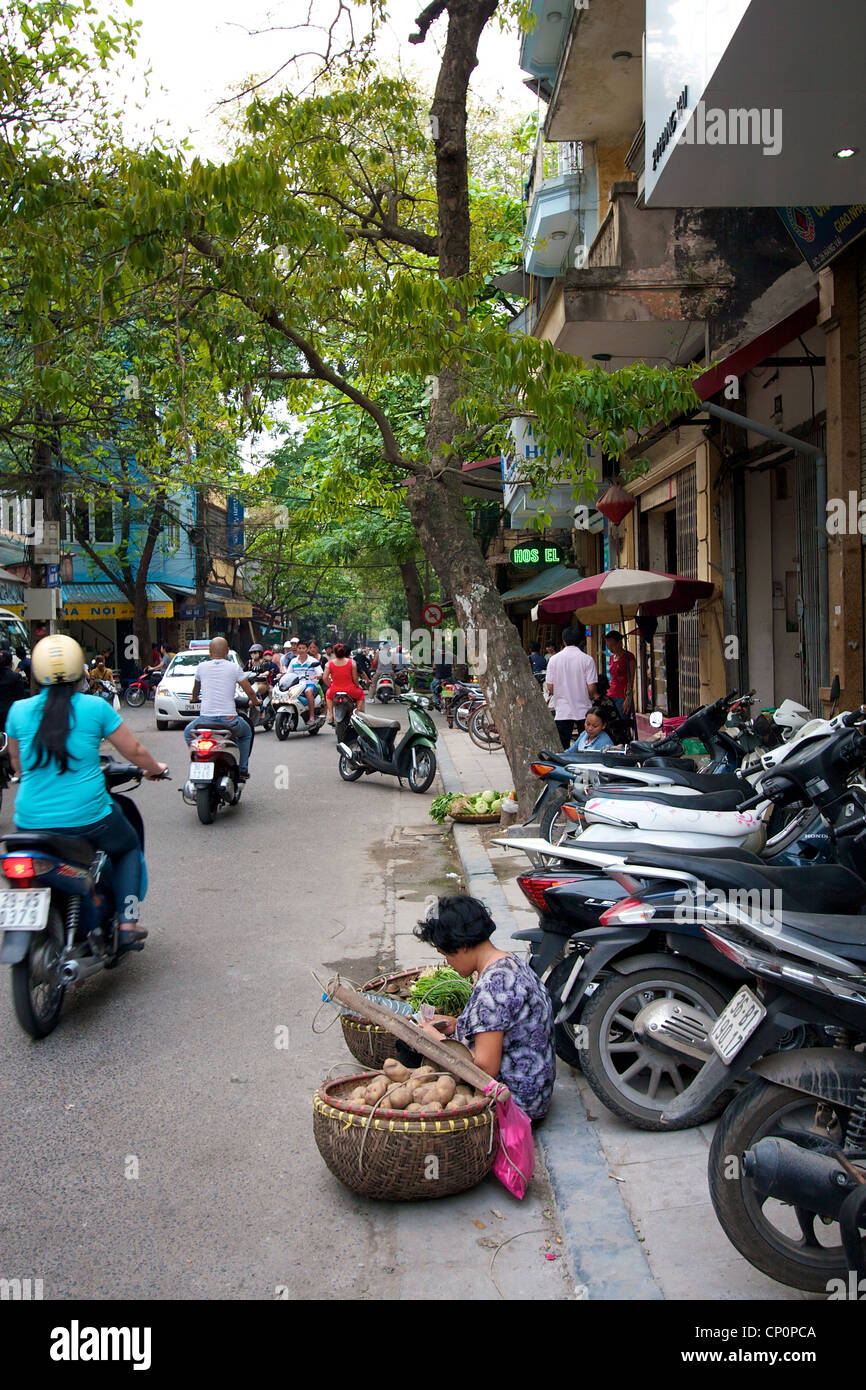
605, 1254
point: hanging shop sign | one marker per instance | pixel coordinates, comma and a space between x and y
87, 611
524, 556
238, 610
820, 233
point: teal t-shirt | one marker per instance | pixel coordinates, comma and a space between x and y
46, 796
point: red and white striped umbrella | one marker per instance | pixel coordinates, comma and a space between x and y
610, 597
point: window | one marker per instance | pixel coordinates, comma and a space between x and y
102, 523
171, 533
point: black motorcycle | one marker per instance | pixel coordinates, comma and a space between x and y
787, 1167
628, 940
371, 745
58, 912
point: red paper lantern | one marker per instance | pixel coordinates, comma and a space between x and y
615, 504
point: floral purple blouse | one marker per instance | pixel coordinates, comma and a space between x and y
509, 998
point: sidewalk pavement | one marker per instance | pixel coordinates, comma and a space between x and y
634, 1205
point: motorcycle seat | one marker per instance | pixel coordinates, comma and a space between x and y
376, 723
802, 889
707, 781
846, 932
652, 852
703, 801
68, 847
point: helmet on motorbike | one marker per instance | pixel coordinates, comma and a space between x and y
57, 660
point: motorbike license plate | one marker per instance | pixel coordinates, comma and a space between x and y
736, 1024
24, 909
201, 772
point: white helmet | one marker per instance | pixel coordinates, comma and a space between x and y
57, 660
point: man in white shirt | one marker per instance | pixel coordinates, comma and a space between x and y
572, 679
215, 683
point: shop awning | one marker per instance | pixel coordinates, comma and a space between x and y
541, 584
84, 602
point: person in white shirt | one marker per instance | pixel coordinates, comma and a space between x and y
572, 679
216, 682
308, 669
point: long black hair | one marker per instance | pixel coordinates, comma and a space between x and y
49, 743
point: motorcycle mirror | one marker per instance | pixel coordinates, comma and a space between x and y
656, 719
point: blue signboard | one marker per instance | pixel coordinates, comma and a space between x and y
192, 610
820, 233
235, 525
52, 576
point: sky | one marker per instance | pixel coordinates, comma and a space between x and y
198, 50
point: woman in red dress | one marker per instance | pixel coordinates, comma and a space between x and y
341, 674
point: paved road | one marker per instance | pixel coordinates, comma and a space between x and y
169, 1067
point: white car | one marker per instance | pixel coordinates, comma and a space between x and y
172, 701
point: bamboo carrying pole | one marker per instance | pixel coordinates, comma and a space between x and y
445, 1053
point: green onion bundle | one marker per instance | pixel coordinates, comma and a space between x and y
446, 991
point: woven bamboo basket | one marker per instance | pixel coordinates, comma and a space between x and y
387, 1156
366, 1041
476, 820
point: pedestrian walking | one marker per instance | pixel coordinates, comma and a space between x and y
572, 680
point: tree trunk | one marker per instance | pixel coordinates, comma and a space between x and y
414, 592
435, 500
523, 720
140, 628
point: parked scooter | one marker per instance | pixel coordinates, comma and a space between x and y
786, 1168
598, 985
58, 911
370, 746
292, 710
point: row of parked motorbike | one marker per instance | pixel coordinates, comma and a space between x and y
703, 937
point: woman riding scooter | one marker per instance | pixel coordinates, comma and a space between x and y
54, 741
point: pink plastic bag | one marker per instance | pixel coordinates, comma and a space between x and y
515, 1156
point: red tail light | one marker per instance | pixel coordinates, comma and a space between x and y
18, 867
534, 887
204, 745
541, 769
627, 912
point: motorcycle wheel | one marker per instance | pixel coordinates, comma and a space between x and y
36, 993
281, 725
462, 713
135, 698
553, 824
268, 720
420, 777
347, 769
204, 805
564, 1034
646, 1080
786, 1242
482, 730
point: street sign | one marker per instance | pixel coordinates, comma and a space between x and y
432, 615
52, 576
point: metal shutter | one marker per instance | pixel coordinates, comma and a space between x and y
687, 565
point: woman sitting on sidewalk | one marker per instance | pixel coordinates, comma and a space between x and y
595, 737
508, 1021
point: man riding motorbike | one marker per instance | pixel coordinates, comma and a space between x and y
306, 668
54, 742
215, 682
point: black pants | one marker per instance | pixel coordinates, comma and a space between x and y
564, 729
